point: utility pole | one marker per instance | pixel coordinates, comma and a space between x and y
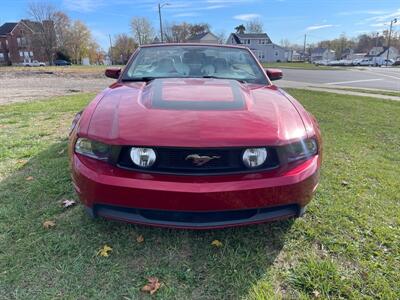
304, 48
111, 58
390, 34
159, 16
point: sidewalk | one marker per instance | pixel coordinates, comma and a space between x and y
330, 89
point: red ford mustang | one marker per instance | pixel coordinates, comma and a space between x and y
194, 136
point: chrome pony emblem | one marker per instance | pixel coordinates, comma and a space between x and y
200, 160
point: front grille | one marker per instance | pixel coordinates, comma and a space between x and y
174, 161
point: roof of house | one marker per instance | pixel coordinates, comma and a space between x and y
380, 51
240, 36
196, 37
319, 50
7, 27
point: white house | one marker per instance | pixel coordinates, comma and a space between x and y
260, 44
383, 51
322, 54
206, 38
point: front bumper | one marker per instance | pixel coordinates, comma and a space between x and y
193, 201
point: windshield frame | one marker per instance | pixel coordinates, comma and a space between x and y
125, 78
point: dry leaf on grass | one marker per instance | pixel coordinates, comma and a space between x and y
216, 243
316, 294
105, 251
48, 224
140, 239
67, 203
152, 286
29, 178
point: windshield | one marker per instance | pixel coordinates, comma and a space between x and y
194, 62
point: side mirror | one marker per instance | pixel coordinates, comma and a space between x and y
274, 74
113, 72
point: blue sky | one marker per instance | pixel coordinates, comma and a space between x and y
283, 19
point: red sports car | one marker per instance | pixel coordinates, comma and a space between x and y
194, 136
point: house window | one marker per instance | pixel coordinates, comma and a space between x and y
31, 54
26, 54
1, 56
6, 43
21, 54
19, 41
276, 53
248, 42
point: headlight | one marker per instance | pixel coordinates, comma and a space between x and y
254, 157
301, 150
92, 149
143, 157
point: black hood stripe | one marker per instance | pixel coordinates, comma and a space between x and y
237, 103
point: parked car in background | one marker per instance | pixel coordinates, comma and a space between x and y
373, 62
321, 62
61, 62
194, 136
33, 63
397, 62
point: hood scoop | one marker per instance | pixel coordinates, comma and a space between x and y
194, 94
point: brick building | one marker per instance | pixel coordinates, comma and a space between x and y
22, 42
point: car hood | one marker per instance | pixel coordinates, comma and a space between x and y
195, 113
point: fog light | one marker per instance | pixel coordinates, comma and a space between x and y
143, 157
254, 157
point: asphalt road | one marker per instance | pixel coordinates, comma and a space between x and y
374, 78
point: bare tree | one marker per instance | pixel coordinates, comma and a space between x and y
62, 27
255, 26
221, 37
44, 13
180, 33
123, 48
80, 39
199, 28
142, 30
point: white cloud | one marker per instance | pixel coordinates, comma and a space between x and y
385, 17
361, 12
229, 1
188, 14
246, 17
316, 27
83, 5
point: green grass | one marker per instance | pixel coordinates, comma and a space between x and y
346, 246
297, 65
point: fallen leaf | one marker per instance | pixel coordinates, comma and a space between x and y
140, 239
67, 203
105, 251
29, 178
152, 286
61, 151
48, 224
216, 243
345, 183
316, 294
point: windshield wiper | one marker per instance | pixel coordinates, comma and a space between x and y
216, 77
145, 79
